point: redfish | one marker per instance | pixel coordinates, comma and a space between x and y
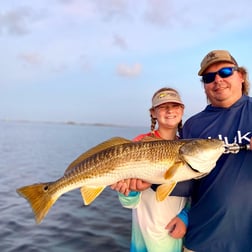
163, 162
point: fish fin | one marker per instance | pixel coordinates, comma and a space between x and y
164, 190
150, 138
89, 194
100, 147
173, 169
40, 199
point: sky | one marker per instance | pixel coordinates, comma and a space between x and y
100, 61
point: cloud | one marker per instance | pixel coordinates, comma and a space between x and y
107, 10
129, 71
110, 9
120, 41
66, 1
15, 21
77, 9
158, 12
31, 58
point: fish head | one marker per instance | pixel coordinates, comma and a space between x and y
202, 154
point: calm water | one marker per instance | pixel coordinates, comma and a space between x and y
40, 152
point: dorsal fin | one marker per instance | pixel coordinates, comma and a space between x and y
100, 147
150, 138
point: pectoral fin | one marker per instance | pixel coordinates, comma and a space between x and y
172, 170
89, 194
164, 190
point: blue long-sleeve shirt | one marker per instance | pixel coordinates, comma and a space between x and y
220, 218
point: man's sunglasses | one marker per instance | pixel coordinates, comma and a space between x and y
223, 73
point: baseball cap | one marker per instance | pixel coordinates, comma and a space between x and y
166, 96
215, 56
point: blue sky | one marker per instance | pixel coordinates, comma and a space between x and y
100, 61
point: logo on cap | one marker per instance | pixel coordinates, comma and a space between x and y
210, 56
162, 95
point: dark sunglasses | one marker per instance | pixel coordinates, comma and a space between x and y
223, 73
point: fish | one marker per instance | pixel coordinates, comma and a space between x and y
157, 161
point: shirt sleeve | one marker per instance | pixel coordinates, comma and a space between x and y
130, 201
183, 215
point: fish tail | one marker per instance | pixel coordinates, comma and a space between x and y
40, 199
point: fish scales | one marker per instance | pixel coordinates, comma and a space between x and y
108, 160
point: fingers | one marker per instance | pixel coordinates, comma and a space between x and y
133, 184
127, 185
171, 225
121, 186
142, 185
176, 228
138, 185
176, 233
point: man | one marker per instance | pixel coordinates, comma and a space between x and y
220, 218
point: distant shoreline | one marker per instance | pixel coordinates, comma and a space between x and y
70, 123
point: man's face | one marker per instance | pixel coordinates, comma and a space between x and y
223, 91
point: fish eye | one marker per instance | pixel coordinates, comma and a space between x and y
46, 188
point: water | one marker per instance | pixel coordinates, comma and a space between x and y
40, 152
